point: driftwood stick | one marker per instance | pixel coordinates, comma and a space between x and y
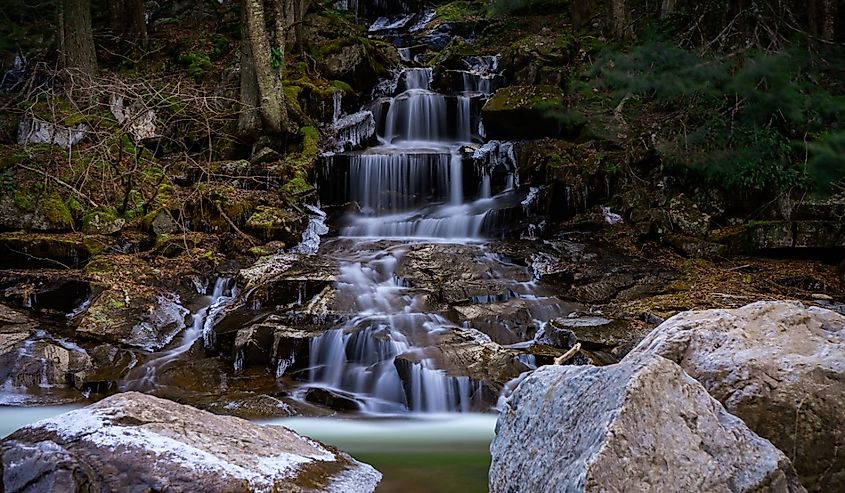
568, 355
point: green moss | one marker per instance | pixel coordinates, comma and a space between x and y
56, 211
102, 215
458, 11
296, 186
24, 200
292, 97
541, 97
261, 251
342, 86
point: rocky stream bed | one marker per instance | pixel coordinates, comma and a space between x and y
437, 269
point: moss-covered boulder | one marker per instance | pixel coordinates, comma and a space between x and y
21, 209
530, 112
275, 224
68, 250
102, 222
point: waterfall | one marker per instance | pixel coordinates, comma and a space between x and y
418, 184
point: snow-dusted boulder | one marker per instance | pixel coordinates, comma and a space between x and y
640, 425
777, 365
135, 442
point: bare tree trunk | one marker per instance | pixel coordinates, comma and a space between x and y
830, 13
280, 29
620, 20
249, 121
812, 17
127, 17
77, 44
580, 13
668, 8
271, 98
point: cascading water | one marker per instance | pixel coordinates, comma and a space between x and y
202, 327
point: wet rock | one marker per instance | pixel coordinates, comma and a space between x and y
641, 425
44, 364
134, 441
470, 353
34, 130
133, 315
777, 365
253, 406
598, 332
528, 112
274, 224
109, 365
687, 218
333, 399
556, 336
163, 224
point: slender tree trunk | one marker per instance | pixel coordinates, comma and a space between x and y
280, 29
270, 94
127, 18
620, 19
813, 17
78, 52
668, 8
580, 13
830, 14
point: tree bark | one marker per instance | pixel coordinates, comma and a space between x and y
77, 50
270, 95
620, 19
830, 15
580, 13
127, 17
668, 8
249, 121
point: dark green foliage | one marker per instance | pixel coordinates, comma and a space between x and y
499, 7
827, 161
197, 64
742, 123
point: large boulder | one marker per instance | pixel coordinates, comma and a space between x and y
777, 365
640, 425
135, 442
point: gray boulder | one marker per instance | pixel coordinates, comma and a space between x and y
135, 442
641, 425
777, 365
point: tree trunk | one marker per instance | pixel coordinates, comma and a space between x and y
127, 18
270, 94
830, 15
580, 13
620, 20
249, 121
78, 52
668, 8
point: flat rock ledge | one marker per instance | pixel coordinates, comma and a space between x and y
640, 425
135, 442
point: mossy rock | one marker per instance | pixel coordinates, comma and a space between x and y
68, 250
274, 224
530, 112
104, 221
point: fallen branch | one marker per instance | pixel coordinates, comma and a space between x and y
233, 225
568, 355
60, 182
